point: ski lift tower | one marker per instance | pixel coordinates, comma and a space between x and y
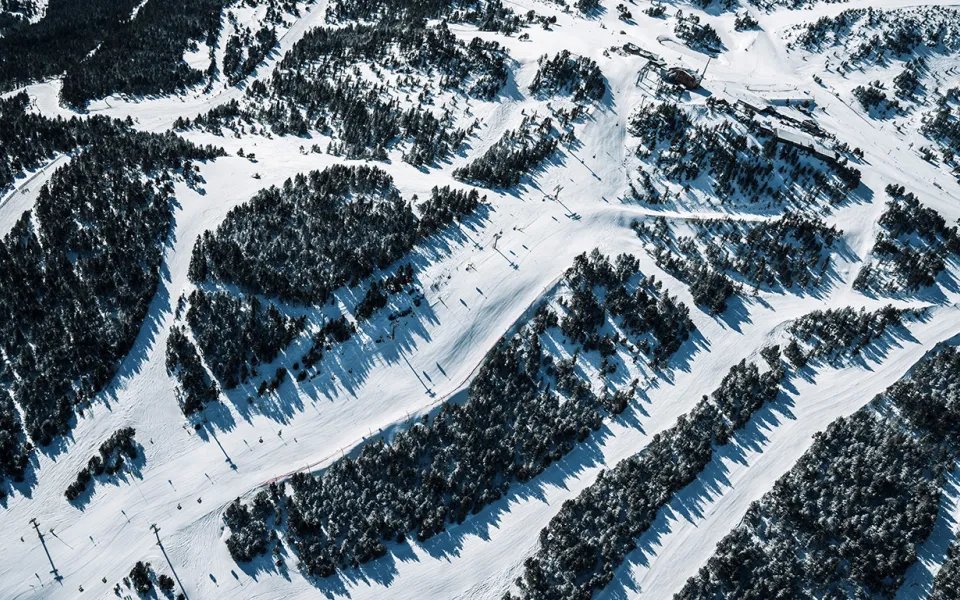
53, 569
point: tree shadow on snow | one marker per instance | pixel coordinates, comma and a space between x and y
392, 335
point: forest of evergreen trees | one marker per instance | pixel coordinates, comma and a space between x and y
146, 55
589, 538
699, 36
195, 389
517, 153
942, 124
846, 520
437, 472
526, 409
786, 251
319, 232
911, 248
14, 448
236, 335
837, 334
738, 171
578, 77
69, 31
17, 12
657, 322
302, 241
380, 290
102, 51
591, 535
146, 583
245, 50
30, 140
875, 35
916, 37
316, 87
487, 15
946, 585
77, 274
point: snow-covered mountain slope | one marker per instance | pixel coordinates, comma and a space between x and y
703, 156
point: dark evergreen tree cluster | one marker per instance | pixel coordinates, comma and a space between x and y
17, 12
599, 290
145, 56
910, 36
102, 50
786, 251
908, 81
395, 11
494, 15
334, 331
486, 15
579, 77
739, 161
439, 471
592, 534
846, 520
873, 99
252, 527
146, 583
656, 11
68, 31
319, 232
14, 447
942, 124
912, 247
317, 86
141, 576
245, 51
515, 154
109, 460
165, 584
380, 290
587, 7
446, 205
877, 35
300, 243
477, 68
27, 139
526, 409
77, 274
768, 5
236, 335
316, 233
745, 22
946, 585
696, 35
589, 538
835, 334
195, 389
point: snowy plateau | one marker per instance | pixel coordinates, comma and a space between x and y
479, 299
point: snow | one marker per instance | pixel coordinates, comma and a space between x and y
932, 553
437, 353
14, 202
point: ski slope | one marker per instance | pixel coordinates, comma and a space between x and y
189, 477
